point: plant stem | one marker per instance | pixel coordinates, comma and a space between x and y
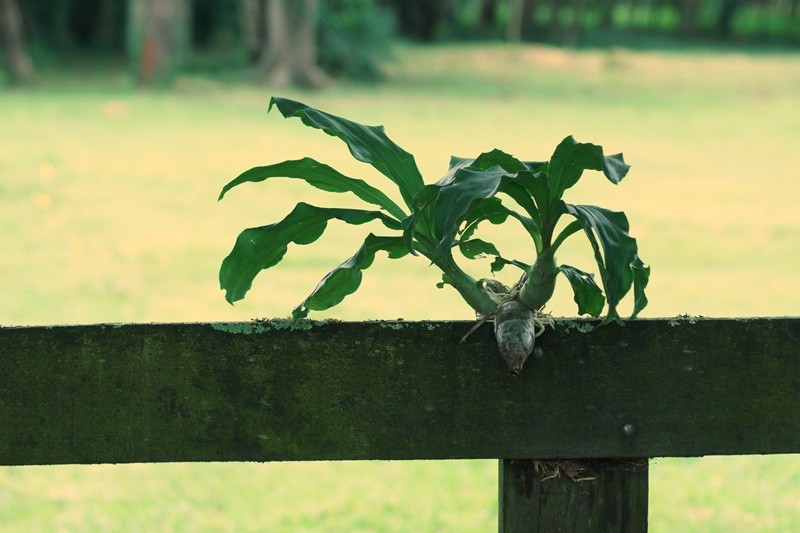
541, 282
467, 286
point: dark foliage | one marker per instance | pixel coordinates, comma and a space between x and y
355, 36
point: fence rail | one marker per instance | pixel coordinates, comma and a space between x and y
262, 391
281, 391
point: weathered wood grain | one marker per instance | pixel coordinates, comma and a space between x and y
262, 392
601, 495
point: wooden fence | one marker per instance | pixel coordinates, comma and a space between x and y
573, 432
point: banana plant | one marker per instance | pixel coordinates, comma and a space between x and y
437, 219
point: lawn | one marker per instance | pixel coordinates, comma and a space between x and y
109, 214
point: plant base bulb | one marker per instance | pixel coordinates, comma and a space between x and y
515, 330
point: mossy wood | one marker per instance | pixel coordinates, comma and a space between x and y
579, 495
395, 390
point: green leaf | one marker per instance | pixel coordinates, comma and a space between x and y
461, 196
516, 190
571, 158
485, 161
417, 221
456, 164
320, 176
499, 158
474, 248
531, 227
641, 276
537, 184
491, 209
455, 199
368, 144
573, 227
446, 280
619, 262
260, 248
346, 278
519, 189
500, 262
408, 234
536, 166
587, 294
465, 188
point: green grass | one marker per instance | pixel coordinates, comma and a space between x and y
347, 496
109, 213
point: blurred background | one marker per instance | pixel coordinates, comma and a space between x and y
120, 121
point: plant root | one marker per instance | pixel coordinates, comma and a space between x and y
499, 293
472, 330
574, 470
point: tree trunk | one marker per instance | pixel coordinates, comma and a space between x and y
291, 54
520, 19
488, 14
108, 35
688, 16
528, 22
633, 14
420, 19
253, 24
573, 34
727, 12
514, 23
607, 13
158, 38
554, 21
645, 15
18, 62
61, 32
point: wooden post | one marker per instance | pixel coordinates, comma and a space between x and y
572, 495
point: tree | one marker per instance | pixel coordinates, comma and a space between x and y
290, 57
727, 12
573, 34
514, 23
253, 24
689, 13
158, 38
108, 34
18, 62
60, 27
520, 19
421, 19
606, 13
488, 14
554, 20
354, 37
